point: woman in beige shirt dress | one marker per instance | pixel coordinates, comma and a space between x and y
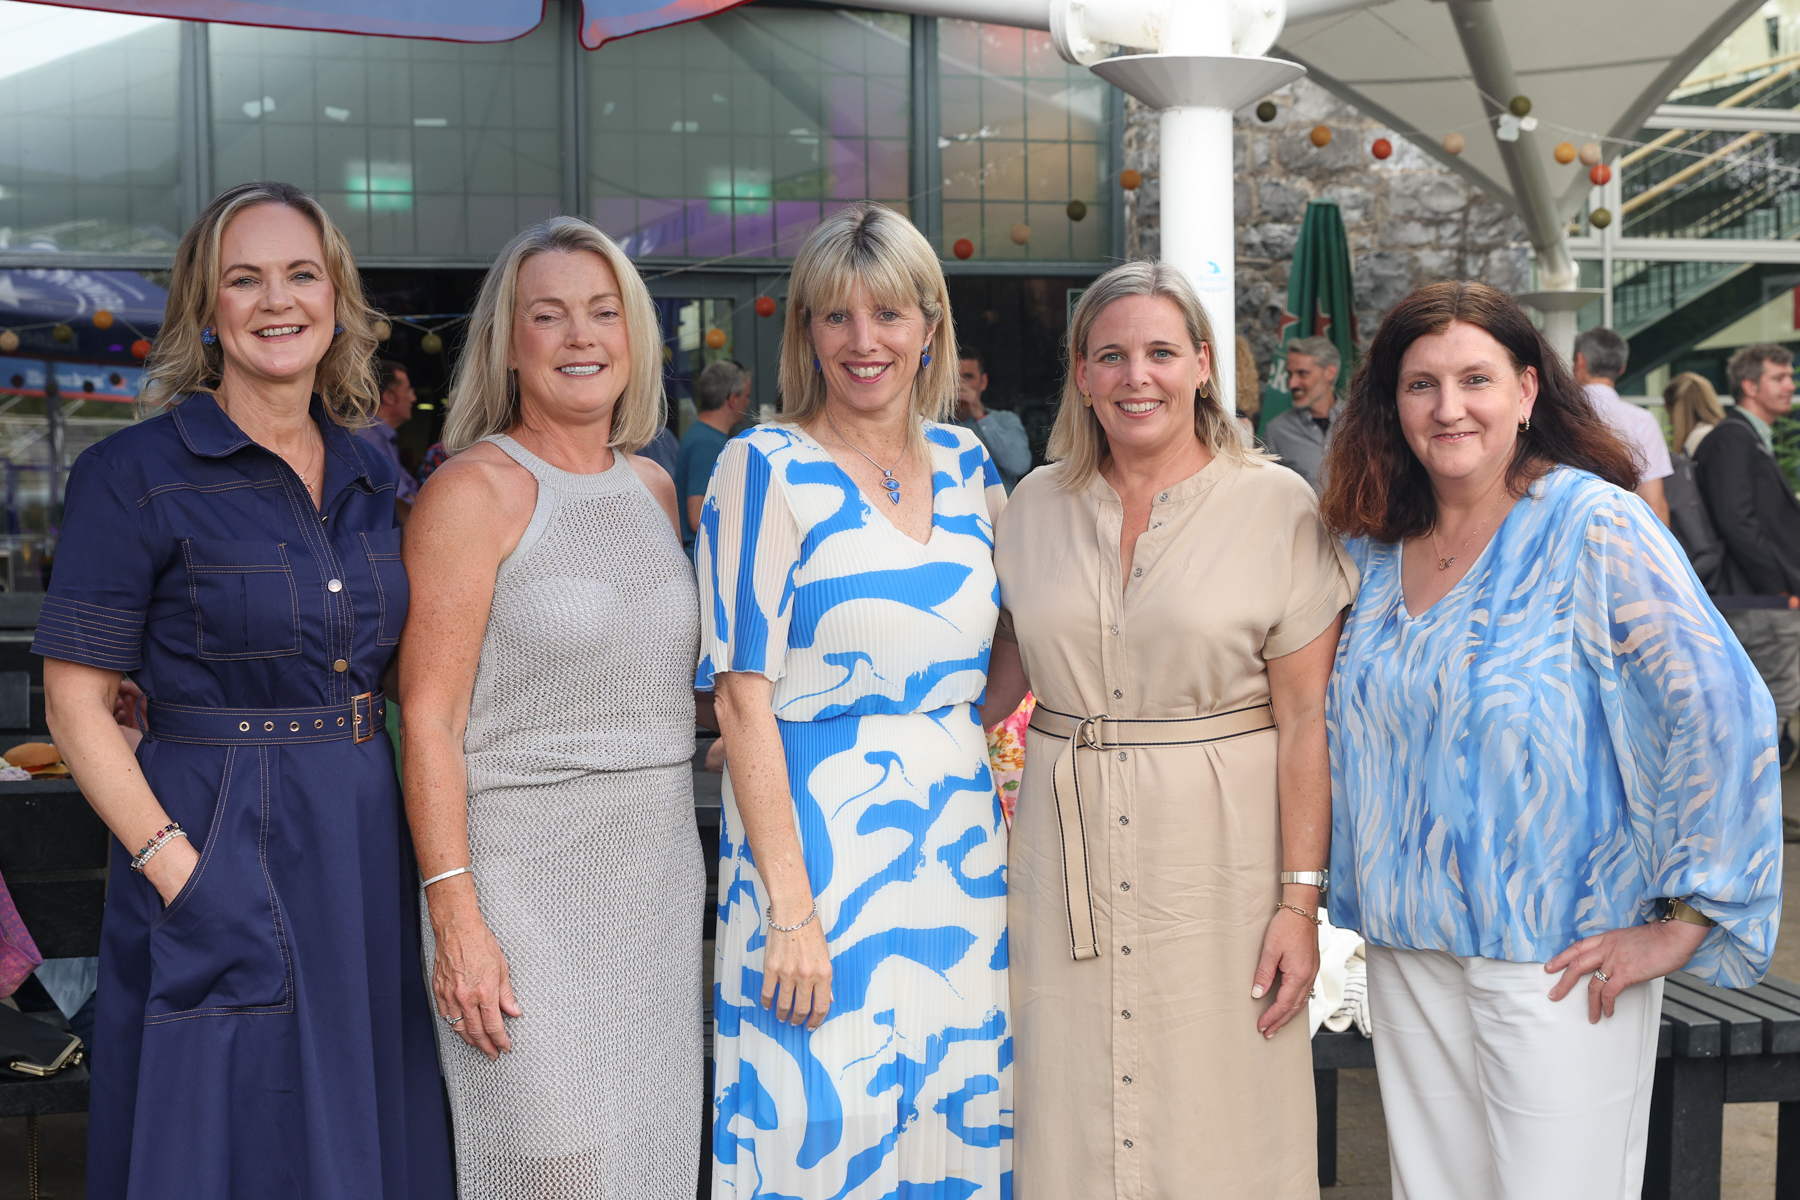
1171, 599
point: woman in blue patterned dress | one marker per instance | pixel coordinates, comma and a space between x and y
848, 603
1550, 758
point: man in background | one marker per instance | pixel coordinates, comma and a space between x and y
721, 396
394, 410
1000, 431
1600, 358
1301, 435
1753, 507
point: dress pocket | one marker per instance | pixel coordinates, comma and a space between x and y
244, 598
391, 589
220, 947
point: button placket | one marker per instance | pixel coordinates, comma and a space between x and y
1123, 901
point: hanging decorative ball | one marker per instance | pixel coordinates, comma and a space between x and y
140, 349
765, 306
1076, 210
1020, 234
1130, 180
1590, 154
1600, 218
715, 338
1454, 143
1321, 136
63, 334
1600, 175
431, 343
102, 319
1381, 148
382, 330
1565, 152
9, 341
1519, 106
1265, 112
964, 248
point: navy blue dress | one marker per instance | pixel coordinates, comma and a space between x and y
267, 1034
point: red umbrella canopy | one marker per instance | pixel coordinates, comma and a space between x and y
443, 20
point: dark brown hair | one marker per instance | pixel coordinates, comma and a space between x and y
1376, 487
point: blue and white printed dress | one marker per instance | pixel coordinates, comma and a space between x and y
878, 649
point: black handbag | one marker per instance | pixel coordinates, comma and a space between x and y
1692, 524
34, 1049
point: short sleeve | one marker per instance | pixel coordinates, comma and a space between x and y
100, 586
1651, 447
746, 551
1694, 732
1003, 628
1322, 581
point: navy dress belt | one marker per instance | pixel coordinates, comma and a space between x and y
356, 721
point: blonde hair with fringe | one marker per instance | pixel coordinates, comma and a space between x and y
875, 247
484, 394
1690, 400
1077, 440
180, 364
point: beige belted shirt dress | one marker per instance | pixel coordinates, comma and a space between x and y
1139, 1070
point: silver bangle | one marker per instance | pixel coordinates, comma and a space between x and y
1318, 879
792, 928
444, 876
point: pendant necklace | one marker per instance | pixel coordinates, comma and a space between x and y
1444, 564
888, 481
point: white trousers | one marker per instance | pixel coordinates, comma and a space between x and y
1494, 1092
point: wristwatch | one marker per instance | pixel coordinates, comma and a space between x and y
1681, 910
1318, 879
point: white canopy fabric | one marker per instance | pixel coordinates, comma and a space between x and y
1593, 70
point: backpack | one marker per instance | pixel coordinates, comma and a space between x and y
1692, 524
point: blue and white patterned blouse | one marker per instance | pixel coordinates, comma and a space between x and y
1569, 734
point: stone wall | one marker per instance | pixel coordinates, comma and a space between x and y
1410, 220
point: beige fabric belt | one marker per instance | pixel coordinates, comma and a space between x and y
1105, 733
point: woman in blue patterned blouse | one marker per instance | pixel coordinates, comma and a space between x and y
1553, 767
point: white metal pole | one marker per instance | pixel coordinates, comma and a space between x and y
1199, 231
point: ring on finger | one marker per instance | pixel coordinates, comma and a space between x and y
453, 1021
1601, 975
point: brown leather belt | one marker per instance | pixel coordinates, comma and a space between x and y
1106, 733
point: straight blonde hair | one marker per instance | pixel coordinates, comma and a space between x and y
1077, 440
1690, 400
880, 250
180, 364
484, 394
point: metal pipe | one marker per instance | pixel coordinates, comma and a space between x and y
1484, 46
1027, 14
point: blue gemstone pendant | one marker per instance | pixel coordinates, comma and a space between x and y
893, 487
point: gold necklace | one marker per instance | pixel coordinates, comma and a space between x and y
1443, 564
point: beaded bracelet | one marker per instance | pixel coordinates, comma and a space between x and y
792, 928
162, 837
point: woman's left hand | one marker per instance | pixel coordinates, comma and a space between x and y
1290, 948
1625, 956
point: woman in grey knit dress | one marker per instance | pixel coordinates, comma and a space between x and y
546, 694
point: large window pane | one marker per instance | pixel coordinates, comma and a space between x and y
415, 147
735, 136
88, 145
1022, 135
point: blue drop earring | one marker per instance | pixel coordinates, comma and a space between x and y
925, 359
336, 329
208, 337
815, 364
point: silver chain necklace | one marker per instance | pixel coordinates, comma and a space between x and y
888, 481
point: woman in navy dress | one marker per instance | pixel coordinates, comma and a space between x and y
262, 1026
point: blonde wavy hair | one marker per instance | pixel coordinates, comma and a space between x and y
180, 364
1690, 400
485, 394
882, 251
1077, 440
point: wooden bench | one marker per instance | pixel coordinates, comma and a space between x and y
1717, 1046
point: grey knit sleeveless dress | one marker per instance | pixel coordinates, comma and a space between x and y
585, 855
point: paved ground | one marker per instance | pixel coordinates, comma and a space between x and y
1362, 1136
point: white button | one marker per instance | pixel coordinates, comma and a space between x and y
1127, 1079
1124, 820
334, 585
1114, 631
1117, 694
1135, 571
1125, 950
1126, 1013
1121, 756
1164, 496
1128, 1143
1124, 887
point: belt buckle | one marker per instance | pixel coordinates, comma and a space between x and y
362, 717
1085, 732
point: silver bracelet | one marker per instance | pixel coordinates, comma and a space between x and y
444, 876
792, 928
